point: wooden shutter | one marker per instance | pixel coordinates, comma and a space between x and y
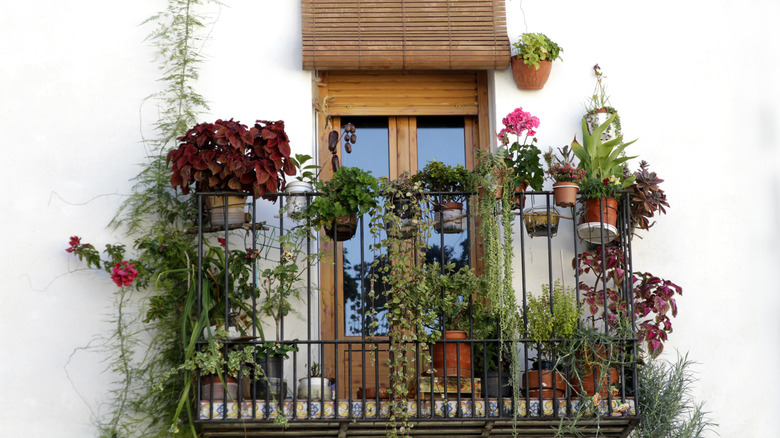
404, 35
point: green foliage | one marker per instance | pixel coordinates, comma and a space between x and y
535, 47
525, 164
395, 279
546, 321
282, 283
350, 190
600, 160
667, 407
448, 293
306, 172
438, 177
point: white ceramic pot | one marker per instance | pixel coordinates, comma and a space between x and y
315, 388
450, 218
296, 204
598, 119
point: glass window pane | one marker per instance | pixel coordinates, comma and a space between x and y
370, 152
443, 139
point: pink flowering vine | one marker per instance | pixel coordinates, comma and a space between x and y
124, 273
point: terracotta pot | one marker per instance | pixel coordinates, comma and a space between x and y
565, 193
454, 350
346, 227
528, 77
531, 380
588, 385
518, 200
212, 383
449, 218
609, 210
591, 229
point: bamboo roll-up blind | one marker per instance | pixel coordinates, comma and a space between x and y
404, 35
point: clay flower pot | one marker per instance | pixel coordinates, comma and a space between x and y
566, 193
592, 228
548, 387
454, 351
528, 77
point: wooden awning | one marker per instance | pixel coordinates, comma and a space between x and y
404, 35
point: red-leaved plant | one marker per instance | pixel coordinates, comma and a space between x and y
228, 156
653, 296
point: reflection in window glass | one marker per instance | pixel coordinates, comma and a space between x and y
370, 152
443, 139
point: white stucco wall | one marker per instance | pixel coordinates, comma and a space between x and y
694, 81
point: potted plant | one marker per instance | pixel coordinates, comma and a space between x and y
603, 163
350, 193
521, 158
492, 357
315, 386
218, 366
450, 185
450, 293
298, 191
566, 175
533, 59
599, 110
226, 156
551, 317
402, 204
647, 198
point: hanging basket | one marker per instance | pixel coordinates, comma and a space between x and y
346, 227
528, 77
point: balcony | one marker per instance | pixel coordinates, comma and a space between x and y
334, 339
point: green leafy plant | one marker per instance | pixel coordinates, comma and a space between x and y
535, 47
395, 280
603, 161
449, 293
522, 158
350, 190
437, 177
280, 284
306, 172
228, 156
551, 321
215, 358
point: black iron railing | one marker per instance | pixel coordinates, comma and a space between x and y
354, 372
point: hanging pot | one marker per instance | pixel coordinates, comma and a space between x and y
565, 193
449, 218
346, 227
454, 351
528, 77
404, 228
595, 119
235, 209
297, 202
595, 223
